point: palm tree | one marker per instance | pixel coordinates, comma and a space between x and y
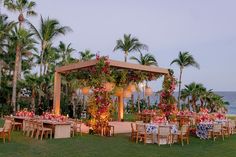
65, 53
5, 28
21, 6
129, 44
86, 55
23, 43
192, 93
184, 60
32, 82
147, 59
48, 31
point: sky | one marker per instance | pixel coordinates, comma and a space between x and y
205, 28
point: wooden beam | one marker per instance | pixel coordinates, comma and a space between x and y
76, 66
140, 67
57, 93
113, 63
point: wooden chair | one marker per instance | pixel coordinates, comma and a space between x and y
41, 130
26, 126
217, 131
133, 132
6, 130
78, 127
72, 129
15, 125
183, 134
142, 135
231, 127
32, 127
164, 132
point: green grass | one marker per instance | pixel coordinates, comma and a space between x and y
95, 146
120, 145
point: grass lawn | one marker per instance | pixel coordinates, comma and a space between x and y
118, 146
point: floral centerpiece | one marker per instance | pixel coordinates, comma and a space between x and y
220, 116
203, 116
25, 113
159, 117
53, 117
152, 112
185, 113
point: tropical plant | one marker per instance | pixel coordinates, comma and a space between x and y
86, 55
129, 44
5, 28
21, 6
22, 42
147, 59
185, 59
65, 52
49, 30
32, 83
199, 97
192, 93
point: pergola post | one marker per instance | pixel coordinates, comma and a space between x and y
120, 107
57, 93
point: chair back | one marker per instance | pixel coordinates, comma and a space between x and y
184, 129
140, 128
139, 122
164, 130
39, 124
133, 128
217, 128
7, 125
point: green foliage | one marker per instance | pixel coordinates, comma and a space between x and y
197, 96
129, 44
147, 59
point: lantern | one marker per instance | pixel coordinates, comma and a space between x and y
127, 93
132, 87
119, 91
108, 86
85, 90
148, 91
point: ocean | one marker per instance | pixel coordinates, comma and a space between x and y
228, 96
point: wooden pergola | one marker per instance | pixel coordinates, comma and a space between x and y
75, 67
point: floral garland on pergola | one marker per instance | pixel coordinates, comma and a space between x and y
167, 100
100, 105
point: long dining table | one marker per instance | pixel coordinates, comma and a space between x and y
60, 129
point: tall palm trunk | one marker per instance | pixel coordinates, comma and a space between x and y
132, 103
139, 103
33, 100
126, 55
149, 102
41, 60
0, 73
180, 78
21, 20
17, 61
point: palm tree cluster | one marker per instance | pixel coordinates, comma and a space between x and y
30, 53
196, 96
